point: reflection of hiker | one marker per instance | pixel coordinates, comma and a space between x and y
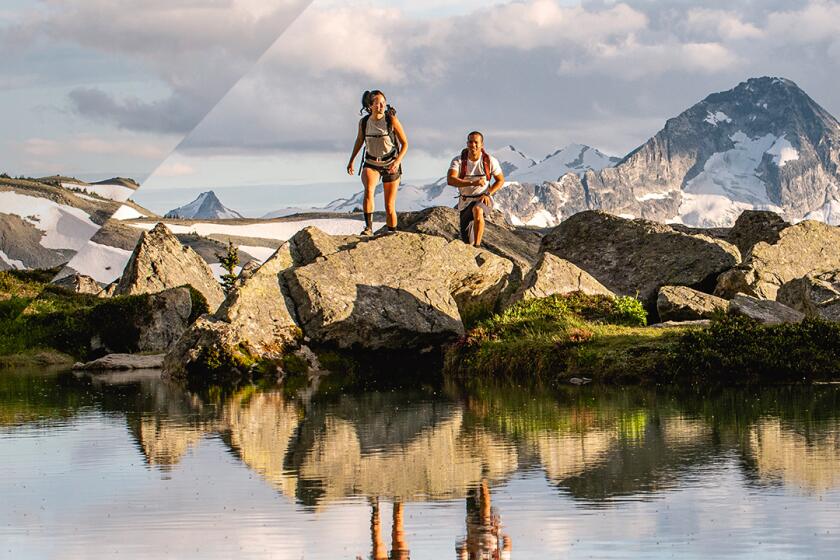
399, 547
471, 173
385, 145
484, 540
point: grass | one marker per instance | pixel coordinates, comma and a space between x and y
573, 335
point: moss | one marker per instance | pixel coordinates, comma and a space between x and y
740, 350
294, 364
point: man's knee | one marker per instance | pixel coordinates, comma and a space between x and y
478, 214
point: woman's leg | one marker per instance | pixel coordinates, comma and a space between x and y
390, 189
370, 178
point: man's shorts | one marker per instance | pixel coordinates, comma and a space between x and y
467, 225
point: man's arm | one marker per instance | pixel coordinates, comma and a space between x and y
453, 180
498, 183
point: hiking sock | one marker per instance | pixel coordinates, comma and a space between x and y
369, 220
392, 228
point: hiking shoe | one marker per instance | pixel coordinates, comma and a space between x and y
367, 232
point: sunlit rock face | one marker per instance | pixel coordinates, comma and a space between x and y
809, 462
440, 462
261, 428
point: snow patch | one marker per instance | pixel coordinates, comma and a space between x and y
828, 213
14, 263
267, 230
103, 263
126, 213
717, 117
119, 193
218, 270
64, 227
782, 151
627, 216
728, 185
260, 253
655, 196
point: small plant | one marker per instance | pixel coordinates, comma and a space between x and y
229, 260
628, 311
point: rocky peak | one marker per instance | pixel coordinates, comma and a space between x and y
206, 206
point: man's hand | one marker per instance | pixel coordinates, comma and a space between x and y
480, 182
487, 200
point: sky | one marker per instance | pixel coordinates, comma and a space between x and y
259, 100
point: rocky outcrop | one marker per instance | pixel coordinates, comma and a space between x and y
160, 261
815, 295
402, 290
499, 238
149, 324
79, 283
803, 248
553, 275
753, 226
680, 303
258, 310
256, 321
310, 244
764, 311
122, 362
636, 257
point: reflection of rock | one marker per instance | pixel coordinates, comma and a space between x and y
439, 463
261, 428
809, 462
565, 455
165, 442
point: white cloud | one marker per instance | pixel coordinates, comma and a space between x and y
175, 169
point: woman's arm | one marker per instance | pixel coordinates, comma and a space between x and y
360, 139
401, 138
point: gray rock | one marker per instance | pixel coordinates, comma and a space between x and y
258, 310
698, 323
311, 244
680, 303
499, 238
631, 257
123, 362
803, 248
764, 311
815, 295
396, 291
553, 275
79, 283
753, 226
160, 261
209, 344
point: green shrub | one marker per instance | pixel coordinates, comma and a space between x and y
628, 311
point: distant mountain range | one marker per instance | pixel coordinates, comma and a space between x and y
206, 206
761, 145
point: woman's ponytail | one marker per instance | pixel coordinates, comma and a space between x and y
366, 101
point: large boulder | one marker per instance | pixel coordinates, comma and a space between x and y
148, 323
681, 303
396, 291
255, 321
257, 308
636, 257
160, 261
753, 226
803, 248
522, 249
815, 295
553, 275
764, 311
310, 244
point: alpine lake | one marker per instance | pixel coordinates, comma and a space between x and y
125, 465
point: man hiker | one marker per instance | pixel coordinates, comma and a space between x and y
472, 172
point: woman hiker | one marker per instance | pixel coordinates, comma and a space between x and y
385, 146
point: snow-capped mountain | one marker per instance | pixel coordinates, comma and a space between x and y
206, 207
762, 145
574, 158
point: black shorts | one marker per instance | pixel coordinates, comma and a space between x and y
382, 168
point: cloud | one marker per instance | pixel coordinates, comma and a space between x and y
87, 144
175, 169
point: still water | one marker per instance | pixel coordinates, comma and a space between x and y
126, 466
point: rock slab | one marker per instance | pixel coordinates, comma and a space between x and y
553, 275
815, 295
631, 257
807, 247
160, 261
681, 303
122, 362
764, 311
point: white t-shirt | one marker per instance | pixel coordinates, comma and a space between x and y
475, 169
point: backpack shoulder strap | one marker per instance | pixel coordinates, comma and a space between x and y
463, 171
488, 165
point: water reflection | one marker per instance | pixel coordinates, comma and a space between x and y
391, 452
